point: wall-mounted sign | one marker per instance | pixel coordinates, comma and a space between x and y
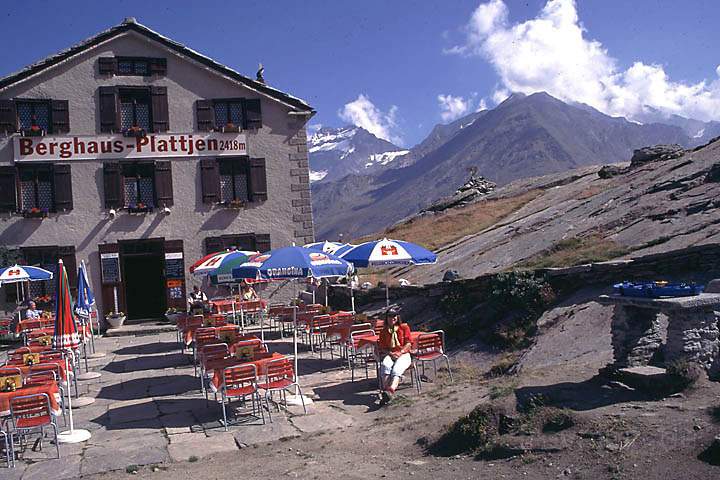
110, 267
108, 147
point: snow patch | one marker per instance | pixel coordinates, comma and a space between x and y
700, 133
317, 176
384, 158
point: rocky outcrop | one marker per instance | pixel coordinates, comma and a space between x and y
656, 153
643, 156
474, 189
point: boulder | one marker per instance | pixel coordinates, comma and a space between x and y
713, 175
609, 171
656, 153
451, 276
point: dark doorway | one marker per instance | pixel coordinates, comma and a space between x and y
144, 280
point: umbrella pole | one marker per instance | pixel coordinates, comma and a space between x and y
72, 435
295, 349
387, 288
352, 298
232, 302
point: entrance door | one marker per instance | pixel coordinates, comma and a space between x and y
143, 275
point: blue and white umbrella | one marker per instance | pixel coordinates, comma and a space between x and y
292, 262
85, 297
334, 248
24, 273
386, 252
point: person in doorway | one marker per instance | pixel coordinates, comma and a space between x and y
394, 347
32, 313
247, 293
197, 299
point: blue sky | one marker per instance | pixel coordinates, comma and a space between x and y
399, 67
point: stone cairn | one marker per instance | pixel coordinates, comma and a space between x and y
475, 188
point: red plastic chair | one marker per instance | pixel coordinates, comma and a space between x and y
207, 353
279, 376
430, 347
240, 381
31, 414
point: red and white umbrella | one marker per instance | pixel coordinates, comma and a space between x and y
210, 263
65, 335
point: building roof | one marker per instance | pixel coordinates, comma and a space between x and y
131, 25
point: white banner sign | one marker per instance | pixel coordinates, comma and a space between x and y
107, 147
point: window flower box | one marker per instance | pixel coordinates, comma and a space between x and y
235, 204
33, 131
230, 128
35, 213
139, 209
135, 131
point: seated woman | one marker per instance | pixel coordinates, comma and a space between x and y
247, 293
394, 347
32, 313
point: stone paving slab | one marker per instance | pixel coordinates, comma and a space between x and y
67, 466
263, 434
102, 459
327, 419
202, 446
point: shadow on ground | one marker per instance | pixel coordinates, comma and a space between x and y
153, 362
148, 348
361, 392
587, 395
138, 388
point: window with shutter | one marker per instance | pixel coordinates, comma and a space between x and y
258, 180
112, 182
136, 109
213, 244
262, 242
210, 180
107, 103
107, 65
8, 116
60, 116
228, 114
36, 188
253, 115
158, 66
44, 257
67, 255
63, 187
8, 196
163, 183
233, 180
34, 116
138, 185
159, 109
241, 241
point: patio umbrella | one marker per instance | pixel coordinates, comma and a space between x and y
23, 273
334, 248
383, 253
293, 263
210, 263
65, 337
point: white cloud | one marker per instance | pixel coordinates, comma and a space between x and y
482, 105
500, 95
552, 53
452, 107
362, 112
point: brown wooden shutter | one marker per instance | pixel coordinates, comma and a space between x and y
210, 179
60, 116
205, 115
109, 115
158, 66
112, 180
213, 244
258, 180
8, 117
243, 241
159, 109
163, 183
262, 242
107, 65
8, 197
63, 187
67, 255
253, 114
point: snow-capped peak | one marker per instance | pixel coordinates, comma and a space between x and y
327, 139
384, 158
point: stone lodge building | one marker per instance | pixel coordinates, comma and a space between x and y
138, 155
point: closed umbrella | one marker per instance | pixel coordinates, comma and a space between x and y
83, 309
65, 337
293, 263
388, 253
